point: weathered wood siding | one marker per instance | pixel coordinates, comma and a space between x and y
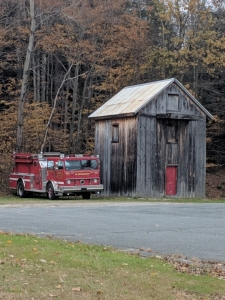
103, 149
118, 160
188, 155
166, 139
163, 133
146, 157
186, 105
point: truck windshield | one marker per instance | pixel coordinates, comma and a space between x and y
81, 164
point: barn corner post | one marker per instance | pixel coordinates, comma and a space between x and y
25, 79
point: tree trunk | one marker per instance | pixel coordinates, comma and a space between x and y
38, 60
34, 79
74, 105
83, 100
19, 137
66, 118
43, 77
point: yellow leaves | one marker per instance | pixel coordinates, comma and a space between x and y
9, 242
154, 274
76, 289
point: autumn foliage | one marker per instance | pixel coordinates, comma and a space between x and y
86, 51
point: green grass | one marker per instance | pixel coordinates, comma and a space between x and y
11, 199
40, 268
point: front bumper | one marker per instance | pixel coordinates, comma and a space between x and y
78, 189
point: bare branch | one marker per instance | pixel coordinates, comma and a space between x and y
54, 104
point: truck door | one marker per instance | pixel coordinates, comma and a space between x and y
59, 171
37, 179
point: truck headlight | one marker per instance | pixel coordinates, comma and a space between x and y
95, 180
69, 181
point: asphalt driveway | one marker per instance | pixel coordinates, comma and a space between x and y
193, 230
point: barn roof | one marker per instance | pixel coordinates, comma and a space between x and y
133, 98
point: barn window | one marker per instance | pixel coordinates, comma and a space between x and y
172, 102
115, 133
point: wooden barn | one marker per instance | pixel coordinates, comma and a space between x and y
151, 139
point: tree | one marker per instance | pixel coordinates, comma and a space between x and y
25, 79
105, 45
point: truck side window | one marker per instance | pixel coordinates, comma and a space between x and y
60, 164
50, 165
94, 164
72, 165
89, 164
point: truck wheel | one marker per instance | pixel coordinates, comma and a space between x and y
20, 189
86, 195
50, 192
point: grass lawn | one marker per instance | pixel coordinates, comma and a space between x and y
41, 268
11, 199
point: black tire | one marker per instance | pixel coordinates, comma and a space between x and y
20, 189
50, 191
86, 195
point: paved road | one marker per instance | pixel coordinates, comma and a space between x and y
193, 230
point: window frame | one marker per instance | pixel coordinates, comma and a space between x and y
171, 97
115, 133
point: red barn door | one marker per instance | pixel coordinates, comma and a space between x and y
171, 180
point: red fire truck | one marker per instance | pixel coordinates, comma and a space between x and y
55, 174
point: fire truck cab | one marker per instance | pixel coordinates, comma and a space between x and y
55, 174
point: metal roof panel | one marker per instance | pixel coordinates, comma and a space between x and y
135, 96
132, 98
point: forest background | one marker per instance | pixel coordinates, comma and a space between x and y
84, 51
